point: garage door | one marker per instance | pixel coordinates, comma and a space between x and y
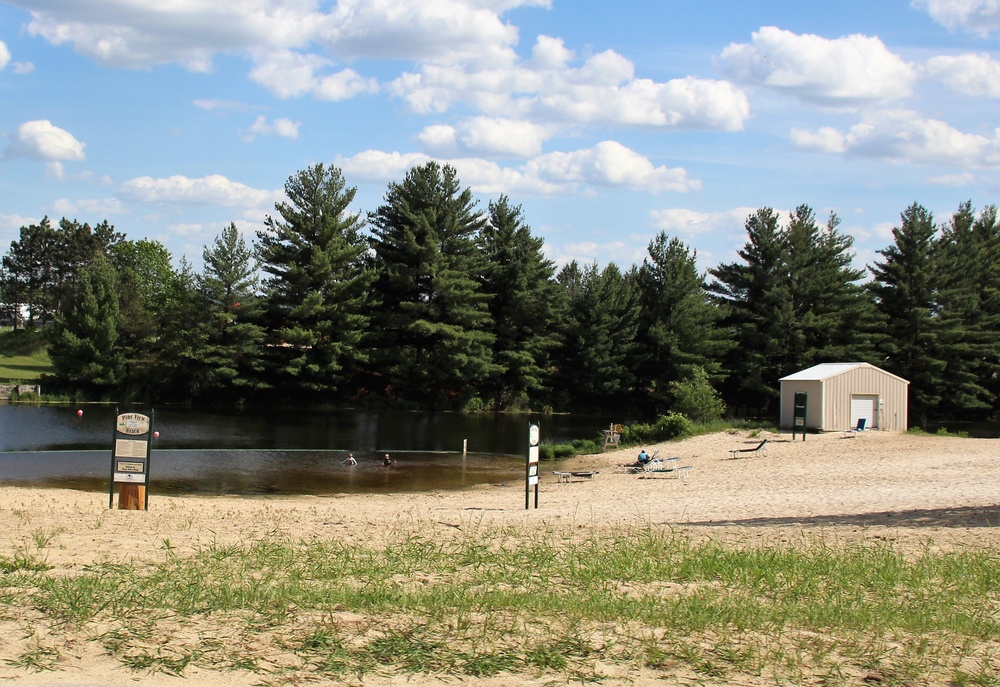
864, 407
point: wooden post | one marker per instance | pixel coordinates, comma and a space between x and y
131, 497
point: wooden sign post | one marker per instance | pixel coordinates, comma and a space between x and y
130, 461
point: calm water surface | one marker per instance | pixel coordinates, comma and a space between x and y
277, 451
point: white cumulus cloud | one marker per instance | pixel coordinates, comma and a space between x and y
290, 74
608, 164
440, 31
41, 140
846, 71
904, 136
214, 189
690, 223
138, 33
980, 17
972, 74
4, 55
603, 90
285, 128
485, 136
375, 165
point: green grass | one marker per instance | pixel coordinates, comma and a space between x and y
24, 356
497, 601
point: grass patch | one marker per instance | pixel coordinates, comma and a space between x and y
24, 355
505, 600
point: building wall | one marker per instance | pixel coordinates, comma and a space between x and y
892, 393
829, 403
814, 403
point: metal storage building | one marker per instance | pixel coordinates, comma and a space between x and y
838, 394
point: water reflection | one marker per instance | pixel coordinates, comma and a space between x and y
275, 452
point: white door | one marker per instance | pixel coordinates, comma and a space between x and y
864, 407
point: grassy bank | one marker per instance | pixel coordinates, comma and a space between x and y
491, 601
24, 356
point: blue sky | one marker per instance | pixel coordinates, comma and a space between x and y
608, 122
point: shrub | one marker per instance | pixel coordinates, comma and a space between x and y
670, 426
586, 446
696, 399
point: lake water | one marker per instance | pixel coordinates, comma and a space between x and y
277, 451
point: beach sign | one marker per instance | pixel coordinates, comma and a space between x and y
531, 467
130, 461
799, 418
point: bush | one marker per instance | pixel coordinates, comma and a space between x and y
555, 451
669, 426
586, 446
696, 399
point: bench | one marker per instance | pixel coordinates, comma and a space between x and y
567, 476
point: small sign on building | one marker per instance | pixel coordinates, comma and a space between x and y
130, 455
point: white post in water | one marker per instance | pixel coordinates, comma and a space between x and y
465, 446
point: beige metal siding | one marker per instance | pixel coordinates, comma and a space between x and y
814, 403
829, 402
865, 380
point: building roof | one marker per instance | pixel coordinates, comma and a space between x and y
826, 370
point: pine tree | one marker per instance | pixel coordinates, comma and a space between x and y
85, 350
519, 281
431, 327
905, 296
231, 357
316, 294
967, 295
831, 310
795, 301
680, 338
756, 297
596, 362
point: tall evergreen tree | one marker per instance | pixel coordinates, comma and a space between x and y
904, 288
679, 337
231, 358
523, 293
85, 350
756, 297
831, 311
596, 362
794, 301
431, 329
29, 270
316, 294
967, 265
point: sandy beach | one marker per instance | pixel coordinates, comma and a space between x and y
914, 491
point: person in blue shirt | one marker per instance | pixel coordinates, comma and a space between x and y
643, 457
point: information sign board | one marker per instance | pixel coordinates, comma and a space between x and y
130, 460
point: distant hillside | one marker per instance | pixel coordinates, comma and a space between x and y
24, 355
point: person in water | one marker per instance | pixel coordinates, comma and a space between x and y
387, 461
350, 459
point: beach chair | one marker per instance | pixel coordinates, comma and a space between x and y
760, 450
633, 468
582, 474
860, 427
666, 467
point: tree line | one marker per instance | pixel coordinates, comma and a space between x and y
430, 301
